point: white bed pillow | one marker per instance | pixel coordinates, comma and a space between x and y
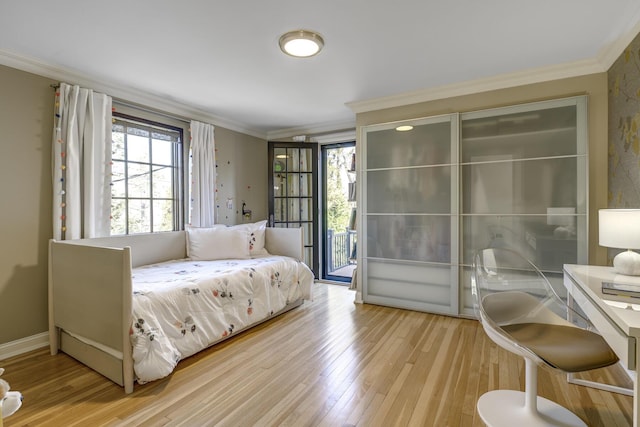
217, 242
256, 232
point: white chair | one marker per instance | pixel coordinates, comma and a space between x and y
520, 311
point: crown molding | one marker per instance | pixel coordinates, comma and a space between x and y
333, 138
313, 131
121, 92
609, 54
501, 81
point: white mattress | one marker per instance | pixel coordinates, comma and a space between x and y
181, 307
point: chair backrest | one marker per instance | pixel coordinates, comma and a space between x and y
508, 289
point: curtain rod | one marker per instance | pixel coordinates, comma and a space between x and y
138, 107
151, 110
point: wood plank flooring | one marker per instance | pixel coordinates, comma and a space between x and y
328, 363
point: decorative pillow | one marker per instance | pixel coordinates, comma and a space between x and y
256, 232
217, 242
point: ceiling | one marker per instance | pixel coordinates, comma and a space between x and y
219, 59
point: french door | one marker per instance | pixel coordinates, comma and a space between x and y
293, 190
339, 237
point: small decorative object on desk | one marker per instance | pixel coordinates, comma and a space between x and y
10, 401
621, 289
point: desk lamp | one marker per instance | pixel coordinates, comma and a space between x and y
620, 228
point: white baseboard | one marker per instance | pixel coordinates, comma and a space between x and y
23, 345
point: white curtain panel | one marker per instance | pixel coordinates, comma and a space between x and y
81, 163
203, 173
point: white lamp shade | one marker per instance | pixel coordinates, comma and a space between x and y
619, 228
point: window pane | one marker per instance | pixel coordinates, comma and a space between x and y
279, 185
306, 209
139, 216
117, 146
280, 160
146, 181
139, 183
280, 209
138, 149
162, 182
118, 182
293, 160
293, 210
306, 184
162, 152
293, 184
162, 215
118, 216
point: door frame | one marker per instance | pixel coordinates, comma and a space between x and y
323, 215
315, 246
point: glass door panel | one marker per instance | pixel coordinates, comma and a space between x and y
339, 206
410, 189
524, 175
292, 192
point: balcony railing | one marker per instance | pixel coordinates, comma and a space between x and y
341, 249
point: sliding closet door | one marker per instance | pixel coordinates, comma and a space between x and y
524, 186
293, 190
409, 218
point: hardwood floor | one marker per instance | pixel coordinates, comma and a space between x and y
328, 363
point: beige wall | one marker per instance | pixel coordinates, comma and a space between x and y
242, 176
26, 121
595, 86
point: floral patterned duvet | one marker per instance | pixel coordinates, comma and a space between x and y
181, 307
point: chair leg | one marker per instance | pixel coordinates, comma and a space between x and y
530, 386
508, 408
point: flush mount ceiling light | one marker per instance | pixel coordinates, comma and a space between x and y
404, 128
301, 43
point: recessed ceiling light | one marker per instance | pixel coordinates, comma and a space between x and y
404, 128
301, 43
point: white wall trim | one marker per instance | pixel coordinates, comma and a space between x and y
334, 127
609, 54
121, 92
23, 345
332, 138
502, 81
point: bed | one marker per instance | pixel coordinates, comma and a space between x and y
130, 307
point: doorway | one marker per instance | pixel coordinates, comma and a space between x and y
339, 211
292, 193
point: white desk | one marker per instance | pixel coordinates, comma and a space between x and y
617, 318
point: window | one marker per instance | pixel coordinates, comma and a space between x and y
146, 189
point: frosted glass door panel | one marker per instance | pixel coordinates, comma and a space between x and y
414, 286
526, 134
413, 190
540, 238
427, 144
409, 237
521, 187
